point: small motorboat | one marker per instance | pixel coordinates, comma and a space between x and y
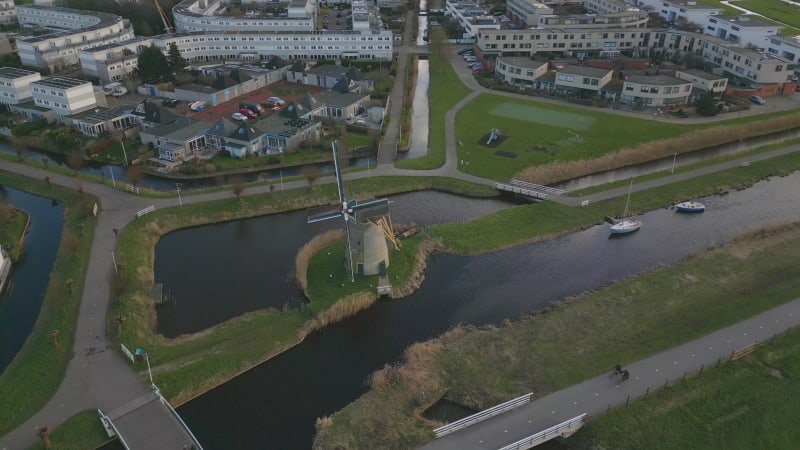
690, 207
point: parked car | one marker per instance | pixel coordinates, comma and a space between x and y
464, 50
273, 101
239, 116
474, 65
247, 113
471, 59
255, 108
198, 106
170, 102
757, 100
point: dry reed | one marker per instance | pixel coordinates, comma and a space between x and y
414, 281
303, 258
342, 309
650, 151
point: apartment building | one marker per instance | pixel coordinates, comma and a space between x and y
115, 61
786, 47
8, 13
741, 29
573, 77
471, 17
212, 15
15, 85
681, 11
64, 95
74, 30
519, 71
703, 80
656, 90
527, 12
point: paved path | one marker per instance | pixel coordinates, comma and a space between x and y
596, 395
387, 150
98, 377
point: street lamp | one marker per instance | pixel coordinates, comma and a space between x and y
674, 157
124, 153
178, 188
281, 173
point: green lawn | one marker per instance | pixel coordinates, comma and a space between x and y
81, 431
746, 404
773, 9
34, 375
446, 89
12, 226
116, 155
357, 140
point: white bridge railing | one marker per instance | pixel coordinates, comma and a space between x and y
142, 212
483, 415
564, 428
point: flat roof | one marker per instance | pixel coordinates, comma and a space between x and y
744, 21
13, 72
694, 5
701, 74
104, 19
520, 61
657, 80
334, 98
61, 82
596, 72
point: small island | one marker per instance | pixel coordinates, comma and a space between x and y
13, 228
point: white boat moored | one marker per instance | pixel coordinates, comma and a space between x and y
690, 207
626, 226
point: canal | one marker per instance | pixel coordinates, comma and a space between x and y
276, 404
27, 285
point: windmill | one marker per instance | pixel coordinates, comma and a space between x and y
367, 252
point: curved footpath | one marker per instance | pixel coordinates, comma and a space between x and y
99, 377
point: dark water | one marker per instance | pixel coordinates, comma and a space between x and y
118, 174
217, 272
418, 144
26, 287
275, 405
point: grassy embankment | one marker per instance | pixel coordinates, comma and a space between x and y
81, 431
621, 323
446, 89
36, 372
746, 404
12, 227
186, 366
546, 153
780, 11
513, 226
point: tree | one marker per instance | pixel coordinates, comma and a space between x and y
45, 160
75, 161
707, 104
176, 62
151, 64
44, 435
53, 335
238, 187
48, 181
312, 174
135, 176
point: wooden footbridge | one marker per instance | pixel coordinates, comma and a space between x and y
530, 190
149, 422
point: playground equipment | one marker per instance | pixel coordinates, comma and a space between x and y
575, 136
493, 135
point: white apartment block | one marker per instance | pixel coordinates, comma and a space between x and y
253, 46
583, 77
113, 62
527, 11
361, 15
8, 13
15, 85
656, 90
64, 95
471, 17
786, 47
703, 80
77, 30
519, 71
746, 30
211, 15
686, 11
625, 19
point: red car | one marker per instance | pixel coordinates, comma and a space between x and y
248, 113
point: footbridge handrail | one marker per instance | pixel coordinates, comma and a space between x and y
178, 417
106, 421
483, 415
546, 435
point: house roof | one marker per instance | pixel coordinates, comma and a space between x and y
224, 82
656, 80
300, 107
298, 66
702, 74
223, 127
586, 71
180, 130
153, 113
101, 115
522, 62
334, 98
275, 63
328, 70
342, 85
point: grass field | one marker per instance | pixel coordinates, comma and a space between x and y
742, 405
541, 133
81, 431
579, 340
773, 9
12, 226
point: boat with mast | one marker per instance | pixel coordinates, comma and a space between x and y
627, 224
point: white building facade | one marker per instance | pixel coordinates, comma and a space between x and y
8, 12
208, 15
64, 95
745, 30
658, 90
15, 85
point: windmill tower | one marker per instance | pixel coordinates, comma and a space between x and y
367, 251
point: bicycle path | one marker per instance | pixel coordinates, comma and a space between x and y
595, 396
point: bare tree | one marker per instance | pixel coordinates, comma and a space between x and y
48, 181
75, 161
135, 176
45, 160
312, 174
238, 186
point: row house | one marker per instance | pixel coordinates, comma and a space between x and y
268, 136
15, 85
746, 30
104, 121
64, 95
179, 140
681, 11
329, 76
656, 90
204, 15
115, 61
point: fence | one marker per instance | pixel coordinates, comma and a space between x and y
174, 413
483, 415
149, 209
564, 428
132, 189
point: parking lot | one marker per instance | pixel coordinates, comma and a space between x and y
334, 17
212, 114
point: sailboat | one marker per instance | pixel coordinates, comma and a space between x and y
627, 224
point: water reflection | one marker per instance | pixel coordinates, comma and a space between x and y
276, 404
20, 306
418, 142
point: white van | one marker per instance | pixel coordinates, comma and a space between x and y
198, 106
115, 89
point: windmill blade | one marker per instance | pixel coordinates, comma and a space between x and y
338, 169
322, 217
370, 204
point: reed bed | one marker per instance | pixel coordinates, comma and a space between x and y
312, 247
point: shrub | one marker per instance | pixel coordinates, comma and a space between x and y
29, 127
